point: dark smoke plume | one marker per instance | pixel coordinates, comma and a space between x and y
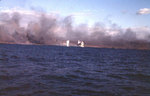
30, 27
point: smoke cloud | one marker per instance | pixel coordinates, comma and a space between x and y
31, 27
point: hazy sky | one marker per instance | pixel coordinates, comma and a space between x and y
125, 13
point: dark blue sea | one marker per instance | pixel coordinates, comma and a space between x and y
42, 70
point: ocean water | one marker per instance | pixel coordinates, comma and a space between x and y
40, 70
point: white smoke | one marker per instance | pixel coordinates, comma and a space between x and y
143, 11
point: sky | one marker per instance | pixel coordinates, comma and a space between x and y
124, 13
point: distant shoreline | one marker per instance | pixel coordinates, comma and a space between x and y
87, 46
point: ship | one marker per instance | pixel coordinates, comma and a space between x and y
67, 43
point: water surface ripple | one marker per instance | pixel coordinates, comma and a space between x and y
37, 70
